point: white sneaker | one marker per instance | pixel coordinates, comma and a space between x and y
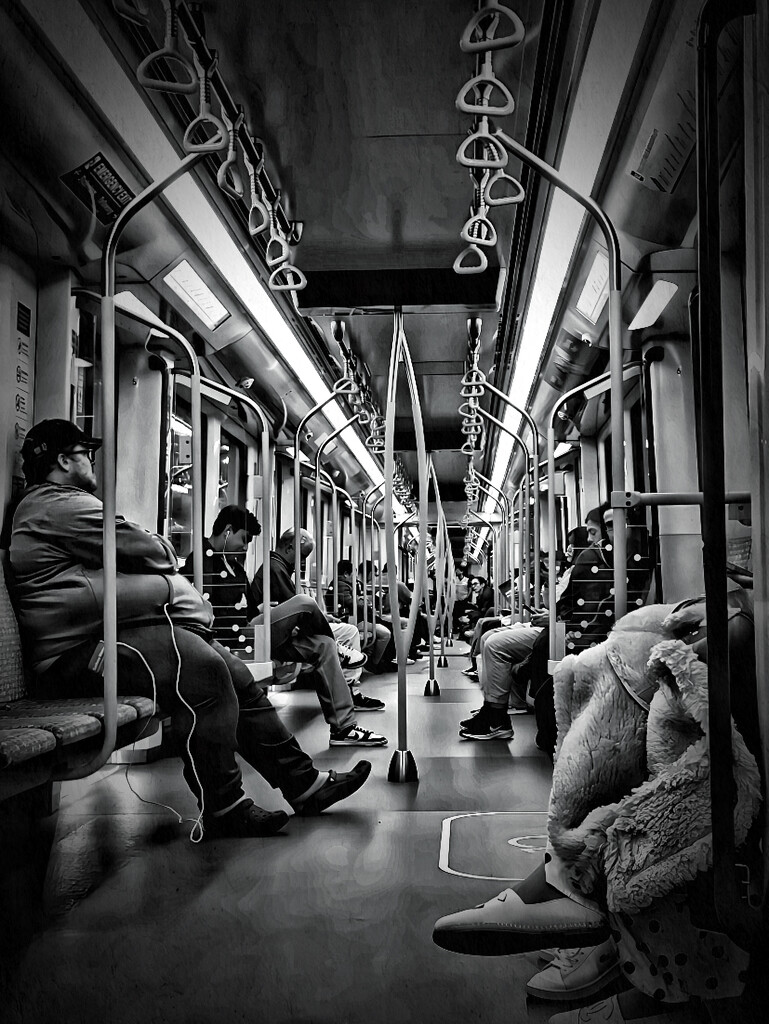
356, 737
576, 973
349, 657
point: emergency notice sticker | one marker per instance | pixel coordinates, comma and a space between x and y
99, 187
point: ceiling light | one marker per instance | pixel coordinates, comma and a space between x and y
185, 282
653, 305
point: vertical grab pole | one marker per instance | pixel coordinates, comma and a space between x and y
109, 457
344, 386
505, 522
318, 517
615, 359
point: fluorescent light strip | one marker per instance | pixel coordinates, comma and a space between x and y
653, 305
609, 57
85, 52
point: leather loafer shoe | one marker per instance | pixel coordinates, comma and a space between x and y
507, 925
338, 786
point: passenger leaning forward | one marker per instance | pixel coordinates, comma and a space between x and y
301, 632
166, 646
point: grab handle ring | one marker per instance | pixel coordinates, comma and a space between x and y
184, 79
228, 176
494, 153
503, 200
479, 230
495, 12
461, 266
258, 214
483, 86
216, 142
287, 278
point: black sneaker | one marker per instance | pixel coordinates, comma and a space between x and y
487, 725
356, 737
245, 821
469, 721
363, 703
338, 787
471, 673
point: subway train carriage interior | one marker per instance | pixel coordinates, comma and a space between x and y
384, 463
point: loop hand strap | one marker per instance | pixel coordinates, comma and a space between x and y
481, 87
277, 251
206, 122
228, 176
480, 230
493, 153
258, 215
183, 78
461, 266
287, 278
505, 199
468, 448
480, 32
474, 376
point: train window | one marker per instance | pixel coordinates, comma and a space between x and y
233, 471
86, 375
179, 503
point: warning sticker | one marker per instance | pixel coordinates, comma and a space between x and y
99, 187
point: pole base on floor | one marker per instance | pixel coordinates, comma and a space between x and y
443, 661
403, 767
449, 641
432, 689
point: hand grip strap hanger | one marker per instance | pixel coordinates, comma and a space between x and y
479, 230
205, 119
228, 176
258, 214
277, 248
183, 80
494, 155
287, 278
462, 266
483, 86
483, 26
505, 199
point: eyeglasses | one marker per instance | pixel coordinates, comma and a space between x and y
90, 453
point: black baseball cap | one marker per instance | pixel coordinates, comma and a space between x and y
49, 438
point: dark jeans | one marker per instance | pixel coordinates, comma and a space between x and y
231, 711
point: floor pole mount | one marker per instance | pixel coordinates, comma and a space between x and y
403, 767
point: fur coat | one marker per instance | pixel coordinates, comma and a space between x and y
630, 804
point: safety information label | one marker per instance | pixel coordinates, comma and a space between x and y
99, 187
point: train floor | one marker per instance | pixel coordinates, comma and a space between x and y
329, 923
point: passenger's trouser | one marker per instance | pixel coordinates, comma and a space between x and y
218, 706
501, 650
299, 631
377, 641
347, 634
482, 626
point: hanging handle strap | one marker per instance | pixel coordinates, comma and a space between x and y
278, 250
493, 153
258, 214
206, 121
481, 87
462, 266
479, 230
183, 80
480, 33
228, 176
287, 278
500, 178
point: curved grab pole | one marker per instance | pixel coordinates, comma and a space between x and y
496, 535
374, 522
265, 654
344, 386
535, 470
370, 493
615, 360
318, 517
524, 563
354, 550
432, 612
601, 382
524, 576
109, 456
505, 521
160, 328
402, 766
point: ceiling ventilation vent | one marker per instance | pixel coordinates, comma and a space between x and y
23, 319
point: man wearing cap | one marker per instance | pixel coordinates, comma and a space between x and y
165, 642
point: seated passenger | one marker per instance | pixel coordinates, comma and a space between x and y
420, 640
481, 604
300, 632
376, 639
166, 646
504, 649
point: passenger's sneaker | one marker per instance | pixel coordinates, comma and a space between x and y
514, 709
363, 703
471, 673
338, 786
488, 725
471, 719
245, 821
356, 737
350, 658
576, 973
